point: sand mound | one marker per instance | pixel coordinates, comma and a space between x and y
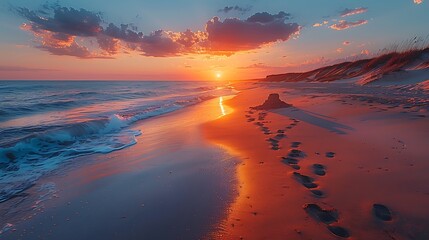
273, 102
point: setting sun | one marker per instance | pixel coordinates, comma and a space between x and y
218, 75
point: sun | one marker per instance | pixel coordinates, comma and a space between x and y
218, 75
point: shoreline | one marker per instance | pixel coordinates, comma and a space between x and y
218, 170
172, 179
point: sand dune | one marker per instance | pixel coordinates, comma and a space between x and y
365, 71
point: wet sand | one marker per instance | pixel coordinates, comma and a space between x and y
343, 162
171, 185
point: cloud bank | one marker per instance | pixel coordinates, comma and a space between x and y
84, 34
343, 24
349, 12
241, 10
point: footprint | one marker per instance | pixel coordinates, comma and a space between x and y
319, 169
382, 212
317, 193
295, 144
339, 231
280, 135
306, 181
322, 215
296, 153
275, 147
292, 162
330, 154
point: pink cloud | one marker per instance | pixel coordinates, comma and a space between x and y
239, 35
320, 24
349, 12
346, 43
418, 1
57, 34
60, 43
343, 24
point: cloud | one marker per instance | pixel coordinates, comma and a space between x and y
241, 10
68, 31
265, 17
320, 24
418, 1
234, 34
59, 43
349, 12
158, 44
343, 24
65, 20
289, 67
23, 69
346, 43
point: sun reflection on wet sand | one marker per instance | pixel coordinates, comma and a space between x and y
222, 109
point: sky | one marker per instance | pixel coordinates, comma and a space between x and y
197, 40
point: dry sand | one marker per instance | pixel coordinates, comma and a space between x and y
354, 146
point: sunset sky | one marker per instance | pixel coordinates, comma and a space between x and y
196, 40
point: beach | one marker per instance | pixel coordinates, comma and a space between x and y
171, 184
335, 162
214, 120
322, 168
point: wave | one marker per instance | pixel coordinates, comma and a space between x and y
22, 164
25, 160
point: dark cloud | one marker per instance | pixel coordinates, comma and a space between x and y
236, 8
72, 50
108, 44
236, 35
67, 31
157, 44
265, 17
123, 33
23, 69
343, 24
349, 12
65, 20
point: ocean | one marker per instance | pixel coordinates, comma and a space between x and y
45, 124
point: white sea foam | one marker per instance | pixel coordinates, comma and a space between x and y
41, 147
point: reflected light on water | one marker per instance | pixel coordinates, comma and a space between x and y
222, 109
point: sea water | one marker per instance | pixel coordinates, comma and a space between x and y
45, 124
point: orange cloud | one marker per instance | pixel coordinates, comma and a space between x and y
418, 1
57, 34
58, 43
320, 24
349, 12
343, 24
234, 34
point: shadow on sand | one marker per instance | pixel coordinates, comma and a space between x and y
314, 119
